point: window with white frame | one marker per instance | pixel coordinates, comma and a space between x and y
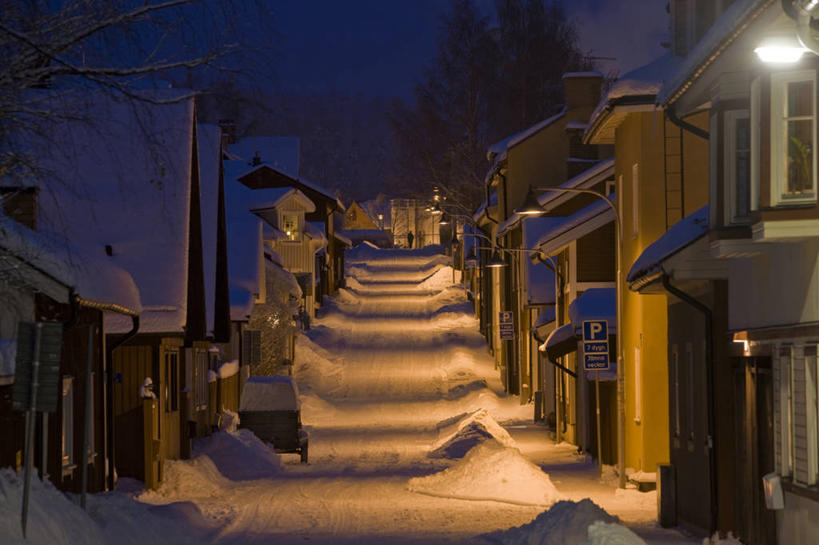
290, 225
793, 137
796, 413
737, 164
67, 407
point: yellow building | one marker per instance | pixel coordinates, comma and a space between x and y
661, 175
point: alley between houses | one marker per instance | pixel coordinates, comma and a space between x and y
388, 375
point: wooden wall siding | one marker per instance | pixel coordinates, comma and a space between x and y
171, 424
229, 393
296, 256
596, 259
800, 428
133, 363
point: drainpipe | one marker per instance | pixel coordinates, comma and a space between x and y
685, 125
709, 389
109, 404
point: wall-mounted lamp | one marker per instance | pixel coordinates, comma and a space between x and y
530, 206
496, 262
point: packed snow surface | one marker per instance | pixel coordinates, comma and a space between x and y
490, 471
392, 367
565, 523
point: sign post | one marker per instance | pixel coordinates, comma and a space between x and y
596, 358
506, 325
36, 378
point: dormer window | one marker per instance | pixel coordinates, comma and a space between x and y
793, 137
290, 226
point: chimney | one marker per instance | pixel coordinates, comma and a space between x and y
228, 127
582, 89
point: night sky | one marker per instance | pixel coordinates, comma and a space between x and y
380, 47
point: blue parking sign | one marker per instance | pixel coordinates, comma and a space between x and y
595, 345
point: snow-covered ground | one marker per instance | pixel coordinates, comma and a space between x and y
411, 441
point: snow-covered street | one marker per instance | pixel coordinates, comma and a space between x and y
402, 405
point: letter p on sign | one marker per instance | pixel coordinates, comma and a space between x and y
595, 330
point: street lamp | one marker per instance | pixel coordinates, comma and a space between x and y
496, 261
532, 207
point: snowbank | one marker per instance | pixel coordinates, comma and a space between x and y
112, 518
490, 471
458, 436
608, 533
565, 523
239, 456
228, 369
314, 368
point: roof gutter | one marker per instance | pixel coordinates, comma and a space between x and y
712, 57
611, 106
671, 112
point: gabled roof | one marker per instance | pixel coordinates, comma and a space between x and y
725, 30
682, 234
280, 152
579, 224
275, 177
277, 196
634, 91
525, 134
121, 177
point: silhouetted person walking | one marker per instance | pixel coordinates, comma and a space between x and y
409, 239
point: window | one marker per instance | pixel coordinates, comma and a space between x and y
171, 381
290, 226
68, 424
251, 347
635, 199
200, 371
793, 135
675, 369
737, 165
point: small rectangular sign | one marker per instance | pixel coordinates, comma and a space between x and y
595, 345
506, 325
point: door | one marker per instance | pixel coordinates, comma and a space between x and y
753, 449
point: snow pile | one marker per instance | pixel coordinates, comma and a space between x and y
565, 523
112, 518
440, 279
608, 533
344, 297
490, 471
716, 540
314, 368
239, 456
228, 369
459, 435
52, 518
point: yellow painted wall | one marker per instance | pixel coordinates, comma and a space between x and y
641, 139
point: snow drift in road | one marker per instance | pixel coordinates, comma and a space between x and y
459, 435
490, 471
565, 523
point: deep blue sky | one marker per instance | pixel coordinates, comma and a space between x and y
379, 47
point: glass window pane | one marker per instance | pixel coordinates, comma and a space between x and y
800, 98
742, 168
799, 164
291, 226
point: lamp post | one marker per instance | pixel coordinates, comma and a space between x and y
531, 206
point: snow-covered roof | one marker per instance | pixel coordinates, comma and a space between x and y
275, 196
283, 277
93, 277
588, 178
560, 335
571, 228
595, 304
719, 36
295, 181
121, 176
371, 235
640, 86
683, 233
534, 129
280, 152
315, 230
343, 238
209, 144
